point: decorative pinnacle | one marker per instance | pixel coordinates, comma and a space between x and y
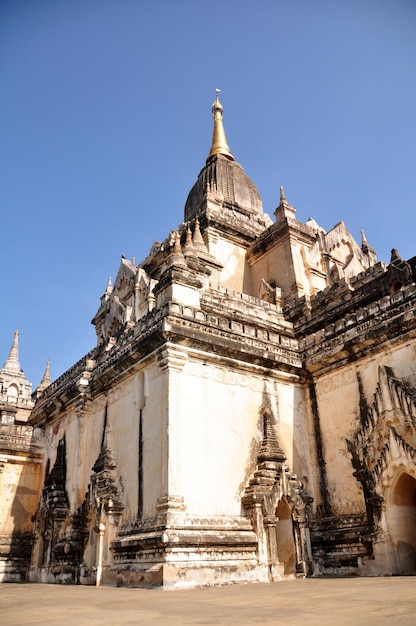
109, 287
219, 141
177, 244
12, 364
395, 256
188, 242
270, 448
198, 240
364, 242
176, 258
46, 378
363, 237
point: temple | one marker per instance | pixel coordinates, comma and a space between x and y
247, 414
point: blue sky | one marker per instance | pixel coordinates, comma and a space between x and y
105, 122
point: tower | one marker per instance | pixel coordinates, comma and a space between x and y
229, 208
21, 456
15, 390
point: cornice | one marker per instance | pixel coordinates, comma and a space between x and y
386, 321
236, 326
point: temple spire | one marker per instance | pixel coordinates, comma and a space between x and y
363, 238
219, 141
109, 287
12, 364
46, 378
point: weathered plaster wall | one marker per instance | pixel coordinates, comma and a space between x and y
123, 419
83, 439
218, 431
282, 266
154, 441
19, 487
338, 406
235, 274
84, 436
267, 267
338, 397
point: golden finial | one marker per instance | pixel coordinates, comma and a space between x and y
219, 141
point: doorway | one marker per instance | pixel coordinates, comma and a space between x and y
402, 524
286, 552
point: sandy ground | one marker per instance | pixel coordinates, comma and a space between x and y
319, 601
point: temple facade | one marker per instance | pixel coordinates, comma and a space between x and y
247, 413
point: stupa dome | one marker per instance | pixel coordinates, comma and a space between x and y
227, 182
222, 179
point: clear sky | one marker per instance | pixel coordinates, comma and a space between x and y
105, 122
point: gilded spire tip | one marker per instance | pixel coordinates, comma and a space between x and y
219, 141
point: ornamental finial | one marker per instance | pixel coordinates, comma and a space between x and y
219, 141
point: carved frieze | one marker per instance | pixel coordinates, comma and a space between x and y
106, 490
271, 482
387, 432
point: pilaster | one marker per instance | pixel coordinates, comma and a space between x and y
171, 361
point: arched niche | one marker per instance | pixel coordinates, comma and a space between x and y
12, 393
401, 520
